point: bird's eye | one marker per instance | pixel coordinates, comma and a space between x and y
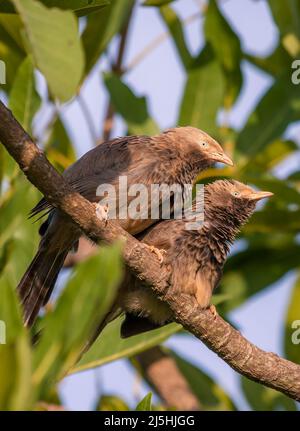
204, 144
236, 194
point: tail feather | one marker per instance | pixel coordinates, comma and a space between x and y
134, 325
38, 281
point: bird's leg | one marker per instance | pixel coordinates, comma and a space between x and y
213, 310
101, 211
159, 253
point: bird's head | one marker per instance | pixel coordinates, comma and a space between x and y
232, 200
199, 145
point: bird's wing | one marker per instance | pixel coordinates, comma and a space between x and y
162, 235
104, 164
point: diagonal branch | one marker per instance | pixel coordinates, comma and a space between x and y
161, 372
243, 356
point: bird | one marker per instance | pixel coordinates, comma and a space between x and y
196, 257
177, 156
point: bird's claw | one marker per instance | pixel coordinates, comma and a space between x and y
101, 211
159, 253
213, 310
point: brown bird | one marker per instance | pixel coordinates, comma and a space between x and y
175, 156
196, 257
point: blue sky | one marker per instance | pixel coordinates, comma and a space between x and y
161, 78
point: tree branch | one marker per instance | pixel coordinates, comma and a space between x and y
161, 372
243, 356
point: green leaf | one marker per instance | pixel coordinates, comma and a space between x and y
275, 64
286, 15
219, 298
145, 404
10, 312
53, 40
5, 253
203, 94
15, 354
227, 48
110, 403
101, 27
156, 2
13, 26
84, 302
59, 148
271, 221
262, 398
81, 7
110, 347
15, 227
6, 7
132, 108
291, 339
210, 395
269, 157
24, 100
174, 26
295, 176
274, 112
15, 374
10, 53
245, 272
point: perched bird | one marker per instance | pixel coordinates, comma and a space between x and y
175, 156
196, 257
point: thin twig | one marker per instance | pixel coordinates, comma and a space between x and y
88, 118
156, 42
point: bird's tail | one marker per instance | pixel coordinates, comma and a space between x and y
135, 325
38, 281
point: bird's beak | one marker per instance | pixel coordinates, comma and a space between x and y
257, 196
222, 158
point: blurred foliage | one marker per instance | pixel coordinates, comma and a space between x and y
24, 100
132, 108
27, 372
34, 36
111, 403
292, 323
83, 303
110, 347
261, 398
211, 396
228, 53
60, 150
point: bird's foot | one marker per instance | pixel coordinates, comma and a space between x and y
101, 211
213, 310
159, 253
